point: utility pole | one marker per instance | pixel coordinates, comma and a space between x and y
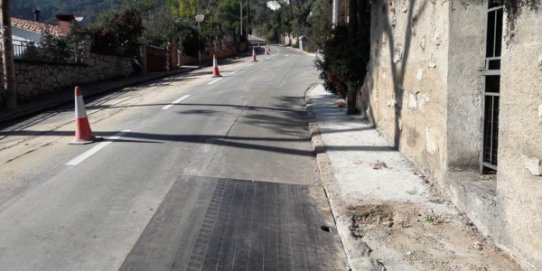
335, 13
241, 11
249, 26
8, 67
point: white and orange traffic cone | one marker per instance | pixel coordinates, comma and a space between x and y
254, 55
267, 50
216, 72
83, 133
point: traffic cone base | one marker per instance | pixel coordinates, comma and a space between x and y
216, 72
85, 142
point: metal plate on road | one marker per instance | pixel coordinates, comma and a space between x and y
224, 224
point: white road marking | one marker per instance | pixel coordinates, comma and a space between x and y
214, 81
232, 73
77, 160
250, 65
175, 102
278, 51
286, 55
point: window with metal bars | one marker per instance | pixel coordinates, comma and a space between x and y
492, 86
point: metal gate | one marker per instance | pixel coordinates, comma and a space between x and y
492, 86
156, 59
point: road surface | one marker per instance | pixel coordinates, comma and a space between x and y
195, 173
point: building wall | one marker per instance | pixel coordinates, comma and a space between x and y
425, 90
34, 78
464, 135
519, 185
465, 84
408, 88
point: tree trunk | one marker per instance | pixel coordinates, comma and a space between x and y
352, 91
7, 57
351, 99
352, 21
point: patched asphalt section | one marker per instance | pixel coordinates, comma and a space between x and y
209, 223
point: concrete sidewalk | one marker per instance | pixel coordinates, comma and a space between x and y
65, 96
389, 215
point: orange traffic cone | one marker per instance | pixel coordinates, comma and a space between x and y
254, 55
83, 133
267, 50
216, 72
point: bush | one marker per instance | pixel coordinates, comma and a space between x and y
334, 67
50, 49
347, 52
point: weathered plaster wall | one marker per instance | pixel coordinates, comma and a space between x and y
425, 92
466, 63
34, 79
408, 89
519, 184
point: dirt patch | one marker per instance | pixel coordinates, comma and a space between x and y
380, 165
425, 240
367, 216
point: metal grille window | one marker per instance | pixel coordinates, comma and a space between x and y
492, 86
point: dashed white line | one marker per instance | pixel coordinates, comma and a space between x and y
175, 102
214, 81
250, 64
77, 160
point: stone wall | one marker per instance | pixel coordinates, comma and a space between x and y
519, 180
408, 82
466, 65
425, 92
35, 78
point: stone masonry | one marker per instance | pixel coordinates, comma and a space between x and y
425, 92
35, 78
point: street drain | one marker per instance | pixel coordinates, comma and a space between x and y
325, 228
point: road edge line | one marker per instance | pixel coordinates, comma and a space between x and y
84, 156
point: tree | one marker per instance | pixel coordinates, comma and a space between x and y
228, 14
118, 32
161, 27
347, 53
271, 18
319, 28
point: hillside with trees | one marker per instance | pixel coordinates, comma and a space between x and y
172, 21
90, 9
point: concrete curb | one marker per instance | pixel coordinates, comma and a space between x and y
309, 54
356, 262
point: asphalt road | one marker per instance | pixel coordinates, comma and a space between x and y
195, 173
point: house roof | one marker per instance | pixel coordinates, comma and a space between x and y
37, 27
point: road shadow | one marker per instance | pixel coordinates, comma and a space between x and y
283, 119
